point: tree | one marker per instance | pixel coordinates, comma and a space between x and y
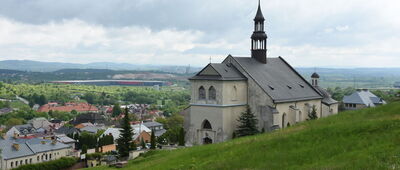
125, 138
313, 114
247, 124
42, 100
74, 112
84, 149
143, 143
153, 140
116, 110
14, 121
181, 141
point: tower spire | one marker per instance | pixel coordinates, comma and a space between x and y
259, 38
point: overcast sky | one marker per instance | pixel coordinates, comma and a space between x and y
307, 33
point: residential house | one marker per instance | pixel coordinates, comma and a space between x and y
137, 130
40, 122
21, 130
362, 98
66, 140
158, 128
108, 148
67, 130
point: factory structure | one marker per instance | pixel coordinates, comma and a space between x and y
114, 82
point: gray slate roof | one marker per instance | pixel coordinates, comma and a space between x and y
225, 71
25, 129
27, 147
363, 97
152, 124
66, 130
91, 129
327, 97
278, 79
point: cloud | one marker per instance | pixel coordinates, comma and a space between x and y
307, 33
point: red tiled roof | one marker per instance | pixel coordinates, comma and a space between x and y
68, 107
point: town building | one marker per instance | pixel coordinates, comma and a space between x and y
362, 98
16, 152
158, 128
94, 118
21, 130
68, 107
274, 91
137, 130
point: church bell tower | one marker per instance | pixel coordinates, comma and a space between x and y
259, 38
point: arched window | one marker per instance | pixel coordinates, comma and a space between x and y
234, 93
202, 93
212, 93
206, 125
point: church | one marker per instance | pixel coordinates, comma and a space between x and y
275, 92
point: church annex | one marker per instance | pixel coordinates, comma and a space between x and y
276, 93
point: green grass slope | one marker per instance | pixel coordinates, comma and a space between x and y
364, 139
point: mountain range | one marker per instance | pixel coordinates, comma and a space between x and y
38, 66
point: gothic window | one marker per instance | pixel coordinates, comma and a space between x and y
212, 93
206, 125
202, 93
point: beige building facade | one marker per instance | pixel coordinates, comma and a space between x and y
18, 152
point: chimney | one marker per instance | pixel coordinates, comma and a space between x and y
16, 146
15, 135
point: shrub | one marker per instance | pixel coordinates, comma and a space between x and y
62, 163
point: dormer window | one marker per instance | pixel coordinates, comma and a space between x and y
202, 93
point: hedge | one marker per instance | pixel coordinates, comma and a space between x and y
62, 163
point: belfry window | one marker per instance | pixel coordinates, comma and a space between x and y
212, 93
202, 93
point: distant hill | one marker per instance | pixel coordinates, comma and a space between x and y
37, 66
363, 139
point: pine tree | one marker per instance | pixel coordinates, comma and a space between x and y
143, 143
117, 110
181, 141
153, 140
125, 138
313, 114
247, 124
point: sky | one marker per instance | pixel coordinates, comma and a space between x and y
306, 33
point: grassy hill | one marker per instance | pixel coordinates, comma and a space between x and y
364, 139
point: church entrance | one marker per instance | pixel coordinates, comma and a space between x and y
207, 140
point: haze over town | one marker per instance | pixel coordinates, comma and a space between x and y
180, 32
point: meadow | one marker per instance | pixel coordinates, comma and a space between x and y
363, 139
